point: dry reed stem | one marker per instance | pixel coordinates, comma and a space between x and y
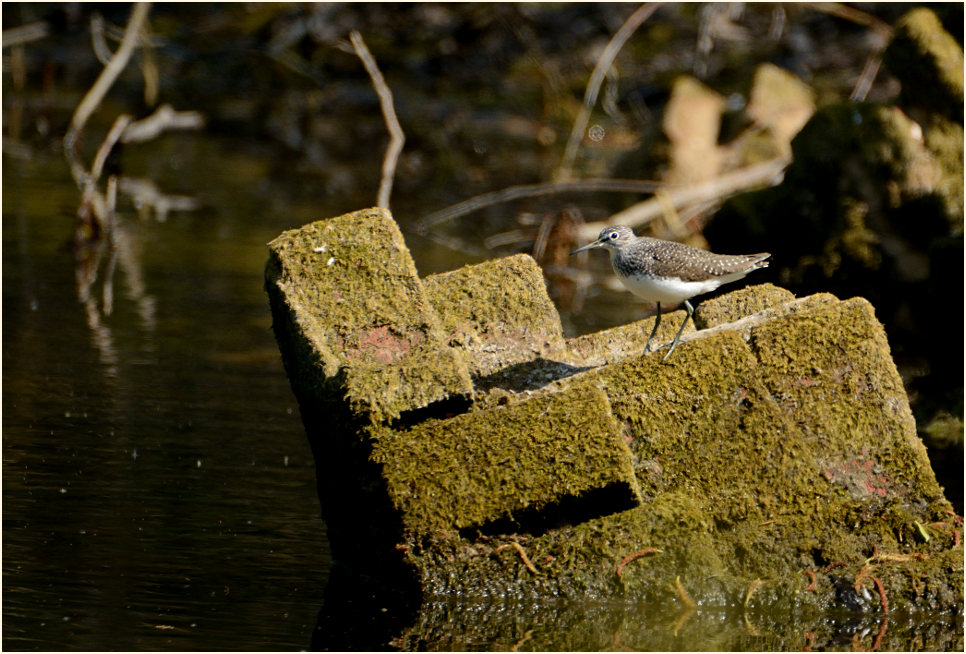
396, 136
604, 63
763, 174
108, 76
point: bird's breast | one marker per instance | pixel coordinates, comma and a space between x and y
666, 289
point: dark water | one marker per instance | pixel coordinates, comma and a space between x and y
158, 489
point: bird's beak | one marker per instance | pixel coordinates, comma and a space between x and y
589, 246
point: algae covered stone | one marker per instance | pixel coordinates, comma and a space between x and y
773, 443
498, 312
472, 469
355, 304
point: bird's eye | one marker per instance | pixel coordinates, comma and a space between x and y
613, 236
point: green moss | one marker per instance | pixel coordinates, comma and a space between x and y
350, 290
779, 443
928, 63
485, 465
498, 312
756, 461
944, 139
944, 430
624, 341
738, 304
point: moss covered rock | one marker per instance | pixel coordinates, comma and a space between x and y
498, 312
358, 323
928, 62
771, 461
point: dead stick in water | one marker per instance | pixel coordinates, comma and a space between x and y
396, 136
523, 555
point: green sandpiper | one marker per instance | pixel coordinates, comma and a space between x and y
665, 271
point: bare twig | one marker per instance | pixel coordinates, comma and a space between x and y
523, 554
604, 63
120, 124
26, 33
164, 118
107, 77
396, 136
856, 16
634, 555
99, 41
147, 196
763, 174
533, 190
867, 77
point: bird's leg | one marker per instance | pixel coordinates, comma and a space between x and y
647, 347
690, 316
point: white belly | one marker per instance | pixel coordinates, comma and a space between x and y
672, 289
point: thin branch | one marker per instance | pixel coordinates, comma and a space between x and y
396, 136
104, 82
856, 16
147, 196
99, 41
164, 118
867, 77
533, 190
120, 124
26, 33
763, 174
607, 57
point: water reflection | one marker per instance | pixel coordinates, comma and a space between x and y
158, 489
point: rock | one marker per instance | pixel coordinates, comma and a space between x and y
928, 62
355, 320
776, 440
781, 103
469, 471
498, 312
692, 120
872, 205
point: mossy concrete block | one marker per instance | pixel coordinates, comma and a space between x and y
779, 443
497, 312
928, 62
624, 341
353, 321
738, 304
775, 443
478, 467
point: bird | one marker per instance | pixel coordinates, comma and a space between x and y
669, 272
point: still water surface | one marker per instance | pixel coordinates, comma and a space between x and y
158, 489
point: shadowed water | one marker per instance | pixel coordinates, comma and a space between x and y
158, 489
